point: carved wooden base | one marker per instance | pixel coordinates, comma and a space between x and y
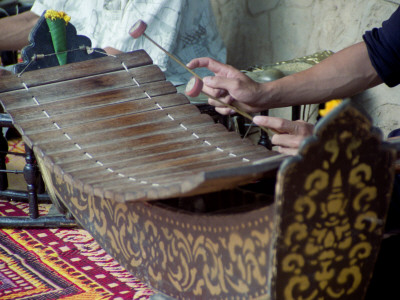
331, 218
216, 255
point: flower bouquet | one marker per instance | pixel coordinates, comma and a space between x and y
57, 22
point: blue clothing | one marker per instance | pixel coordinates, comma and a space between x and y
383, 46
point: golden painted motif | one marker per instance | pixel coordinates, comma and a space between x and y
332, 217
173, 253
318, 241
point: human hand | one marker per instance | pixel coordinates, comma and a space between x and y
289, 134
112, 51
230, 86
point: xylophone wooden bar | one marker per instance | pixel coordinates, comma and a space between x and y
128, 109
144, 172
66, 72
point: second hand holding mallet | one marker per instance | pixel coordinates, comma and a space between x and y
195, 84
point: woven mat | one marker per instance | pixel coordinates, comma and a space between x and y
57, 263
16, 181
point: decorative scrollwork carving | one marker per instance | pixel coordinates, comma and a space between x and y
181, 257
326, 227
334, 212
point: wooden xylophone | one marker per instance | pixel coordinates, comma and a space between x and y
109, 133
165, 191
114, 128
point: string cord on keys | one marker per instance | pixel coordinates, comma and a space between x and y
36, 57
177, 60
230, 154
88, 155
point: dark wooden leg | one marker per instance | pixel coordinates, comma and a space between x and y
30, 174
41, 188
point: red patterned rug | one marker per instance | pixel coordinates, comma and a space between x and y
58, 263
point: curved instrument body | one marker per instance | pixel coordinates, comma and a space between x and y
110, 134
115, 128
183, 204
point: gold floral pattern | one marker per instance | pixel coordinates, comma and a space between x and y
205, 258
319, 240
330, 238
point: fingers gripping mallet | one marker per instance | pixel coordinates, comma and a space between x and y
194, 88
195, 84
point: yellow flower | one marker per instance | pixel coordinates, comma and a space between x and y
54, 15
329, 106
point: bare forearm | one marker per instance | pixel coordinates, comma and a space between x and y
343, 74
15, 30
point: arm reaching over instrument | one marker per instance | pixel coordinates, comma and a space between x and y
341, 75
183, 28
344, 74
289, 134
15, 30
354, 69
230, 86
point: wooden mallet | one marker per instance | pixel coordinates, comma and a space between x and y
195, 85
